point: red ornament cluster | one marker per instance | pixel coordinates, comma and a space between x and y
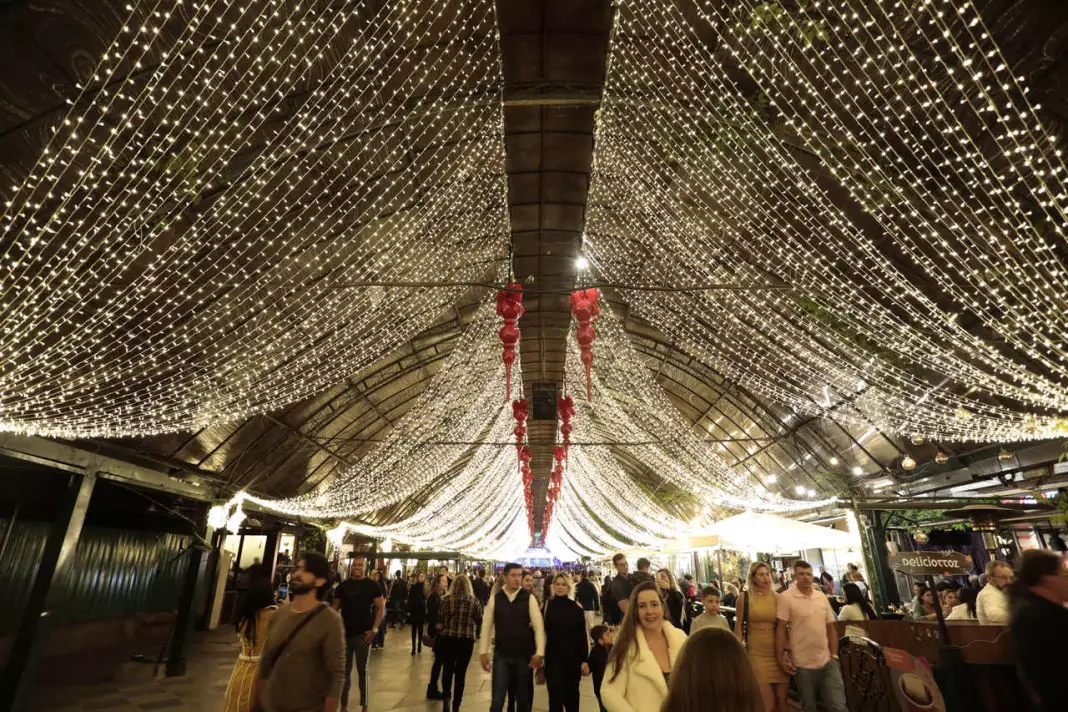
556, 481
520, 414
566, 409
510, 308
585, 311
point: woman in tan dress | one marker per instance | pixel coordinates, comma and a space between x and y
252, 632
758, 635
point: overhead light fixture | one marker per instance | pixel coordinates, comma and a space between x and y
917, 439
799, 489
941, 458
582, 263
908, 463
772, 479
858, 471
1005, 455
834, 460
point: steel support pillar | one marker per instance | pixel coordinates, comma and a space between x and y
35, 623
196, 563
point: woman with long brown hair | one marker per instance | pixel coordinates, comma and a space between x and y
439, 590
713, 674
643, 656
252, 625
754, 625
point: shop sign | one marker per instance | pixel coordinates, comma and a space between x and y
931, 563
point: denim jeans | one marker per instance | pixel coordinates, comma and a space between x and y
355, 647
823, 683
514, 674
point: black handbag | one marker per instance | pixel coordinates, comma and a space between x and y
745, 620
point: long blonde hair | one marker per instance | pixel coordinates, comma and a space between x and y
461, 586
750, 584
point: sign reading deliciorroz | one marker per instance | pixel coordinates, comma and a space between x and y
931, 563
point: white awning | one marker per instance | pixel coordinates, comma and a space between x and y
768, 534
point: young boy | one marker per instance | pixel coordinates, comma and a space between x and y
711, 617
599, 657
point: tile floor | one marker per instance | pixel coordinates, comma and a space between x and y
397, 683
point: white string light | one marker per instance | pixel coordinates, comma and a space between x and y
691, 181
200, 260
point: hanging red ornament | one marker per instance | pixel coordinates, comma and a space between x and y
585, 311
519, 413
566, 408
510, 308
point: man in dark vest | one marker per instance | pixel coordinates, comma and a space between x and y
513, 625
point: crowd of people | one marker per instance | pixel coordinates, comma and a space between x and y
652, 650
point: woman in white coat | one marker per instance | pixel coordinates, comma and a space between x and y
645, 649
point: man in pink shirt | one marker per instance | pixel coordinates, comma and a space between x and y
809, 649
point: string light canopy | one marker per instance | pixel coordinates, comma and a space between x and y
600, 507
695, 176
233, 213
472, 495
246, 203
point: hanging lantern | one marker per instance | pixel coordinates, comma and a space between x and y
510, 308
584, 309
941, 458
908, 463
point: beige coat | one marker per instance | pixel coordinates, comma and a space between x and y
640, 686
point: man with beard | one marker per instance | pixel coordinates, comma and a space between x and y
303, 664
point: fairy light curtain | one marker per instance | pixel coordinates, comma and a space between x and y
698, 174
214, 228
471, 495
600, 507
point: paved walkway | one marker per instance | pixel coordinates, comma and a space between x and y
397, 681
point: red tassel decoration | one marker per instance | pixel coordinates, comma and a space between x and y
510, 308
566, 408
585, 311
519, 412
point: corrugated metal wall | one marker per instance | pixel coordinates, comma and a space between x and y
115, 572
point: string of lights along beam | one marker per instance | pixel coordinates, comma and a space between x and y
183, 251
958, 334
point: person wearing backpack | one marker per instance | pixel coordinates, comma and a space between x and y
303, 664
